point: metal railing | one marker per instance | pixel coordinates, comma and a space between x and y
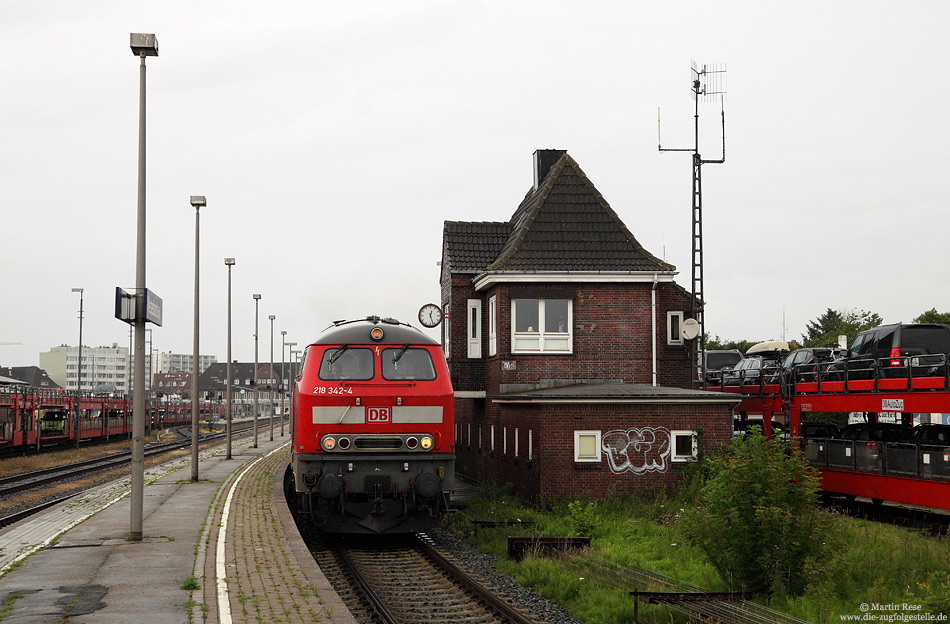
905, 459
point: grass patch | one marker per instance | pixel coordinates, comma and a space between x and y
867, 562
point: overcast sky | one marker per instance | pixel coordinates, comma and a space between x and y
332, 140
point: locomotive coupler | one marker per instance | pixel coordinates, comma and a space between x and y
377, 509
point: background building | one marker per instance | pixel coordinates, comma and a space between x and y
100, 366
112, 366
179, 362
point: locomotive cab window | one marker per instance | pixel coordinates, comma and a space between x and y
346, 364
404, 363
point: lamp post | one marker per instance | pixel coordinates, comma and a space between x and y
257, 300
283, 389
143, 45
197, 201
293, 364
229, 262
79, 373
290, 399
270, 394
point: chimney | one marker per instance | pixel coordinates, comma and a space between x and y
543, 161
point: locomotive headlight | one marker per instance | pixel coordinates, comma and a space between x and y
329, 443
426, 443
376, 333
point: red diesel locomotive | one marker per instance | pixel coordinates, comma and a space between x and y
373, 430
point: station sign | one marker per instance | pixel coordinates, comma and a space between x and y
124, 306
130, 308
152, 308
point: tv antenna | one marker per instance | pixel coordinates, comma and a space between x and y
708, 83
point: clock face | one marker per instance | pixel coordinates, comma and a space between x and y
430, 315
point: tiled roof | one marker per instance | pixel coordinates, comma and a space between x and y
33, 376
563, 225
567, 225
619, 392
472, 246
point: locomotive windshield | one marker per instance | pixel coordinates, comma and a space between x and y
407, 364
343, 363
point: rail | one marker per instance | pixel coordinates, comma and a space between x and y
679, 596
410, 581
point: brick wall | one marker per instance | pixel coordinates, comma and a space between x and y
611, 337
551, 471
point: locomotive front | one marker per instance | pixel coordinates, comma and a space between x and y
373, 430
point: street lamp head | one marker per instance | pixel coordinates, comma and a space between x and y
79, 290
229, 261
256, 297
143, 44
198, 201
271, 317
283, 332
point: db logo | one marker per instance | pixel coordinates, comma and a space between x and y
378, 415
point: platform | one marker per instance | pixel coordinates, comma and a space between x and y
217, 550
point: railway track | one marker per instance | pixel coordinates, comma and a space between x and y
712, 611
406, 580
12, 485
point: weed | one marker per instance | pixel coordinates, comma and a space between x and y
583, 517
8, 604
190, 584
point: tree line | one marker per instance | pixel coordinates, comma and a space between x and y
824, 330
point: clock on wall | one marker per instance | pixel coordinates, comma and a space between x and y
430, 315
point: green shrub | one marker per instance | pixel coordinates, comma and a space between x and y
758, 519
583, 517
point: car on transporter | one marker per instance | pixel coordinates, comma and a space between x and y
808, 363
762, 364
889, 350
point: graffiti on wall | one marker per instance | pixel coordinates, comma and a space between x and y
637, 450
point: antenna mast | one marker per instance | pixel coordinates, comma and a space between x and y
708, 83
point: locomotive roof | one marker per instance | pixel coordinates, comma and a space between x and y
358, 332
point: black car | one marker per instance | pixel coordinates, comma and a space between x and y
932, 435
873, 432
888, 351
718, 360
805, 364
765, 366
818, 430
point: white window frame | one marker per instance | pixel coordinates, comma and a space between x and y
674, 319
492, 325
540, 334
473, 335
695, 445
447, 330
577, 446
